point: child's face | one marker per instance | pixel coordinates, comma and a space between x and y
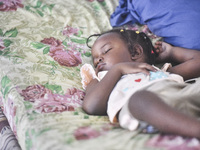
108, 50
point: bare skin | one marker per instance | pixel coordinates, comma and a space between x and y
110, 53
162, 116
187, 61
105, 55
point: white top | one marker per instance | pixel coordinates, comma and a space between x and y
129, 84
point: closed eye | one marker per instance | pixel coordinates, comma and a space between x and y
108, 50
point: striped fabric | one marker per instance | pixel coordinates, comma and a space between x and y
8, 140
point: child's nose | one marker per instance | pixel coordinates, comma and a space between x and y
100, 59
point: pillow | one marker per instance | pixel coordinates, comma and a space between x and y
176, 21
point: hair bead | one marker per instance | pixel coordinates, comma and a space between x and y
122, 30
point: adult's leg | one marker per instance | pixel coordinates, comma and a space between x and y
148, 107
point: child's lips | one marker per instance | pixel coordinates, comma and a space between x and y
100, 66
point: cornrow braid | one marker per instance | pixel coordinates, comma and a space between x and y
132, 38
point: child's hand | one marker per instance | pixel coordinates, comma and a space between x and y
164, 51
135, 67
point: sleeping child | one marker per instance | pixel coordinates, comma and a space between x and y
127, 87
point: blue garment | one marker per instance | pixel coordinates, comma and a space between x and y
177, 21
157, 75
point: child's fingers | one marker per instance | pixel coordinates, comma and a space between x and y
145, 68
145, 71
148, 67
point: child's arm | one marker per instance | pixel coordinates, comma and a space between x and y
147, 106
97, 93
187, 62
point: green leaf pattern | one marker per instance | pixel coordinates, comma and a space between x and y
5, 85
11, 33
6, 39
40, 8
26, 61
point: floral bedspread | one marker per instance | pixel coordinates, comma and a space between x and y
42, 47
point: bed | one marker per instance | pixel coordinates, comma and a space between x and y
42, 47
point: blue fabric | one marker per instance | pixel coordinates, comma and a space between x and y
157, 75
177, 21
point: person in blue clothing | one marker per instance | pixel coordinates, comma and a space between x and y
176, 21
134, 93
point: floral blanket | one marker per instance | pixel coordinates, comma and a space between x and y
42, 47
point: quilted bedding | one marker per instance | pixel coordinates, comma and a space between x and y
42, 47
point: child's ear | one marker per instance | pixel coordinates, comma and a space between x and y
138, 52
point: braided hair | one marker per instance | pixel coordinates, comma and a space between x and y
132, 38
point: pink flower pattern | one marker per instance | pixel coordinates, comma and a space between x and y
148, 32
10, 112
1, 45
144, 29
85, 133
10, 5
31, 93
170, 142
68, 58
52, 42
68, 31
45, 101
